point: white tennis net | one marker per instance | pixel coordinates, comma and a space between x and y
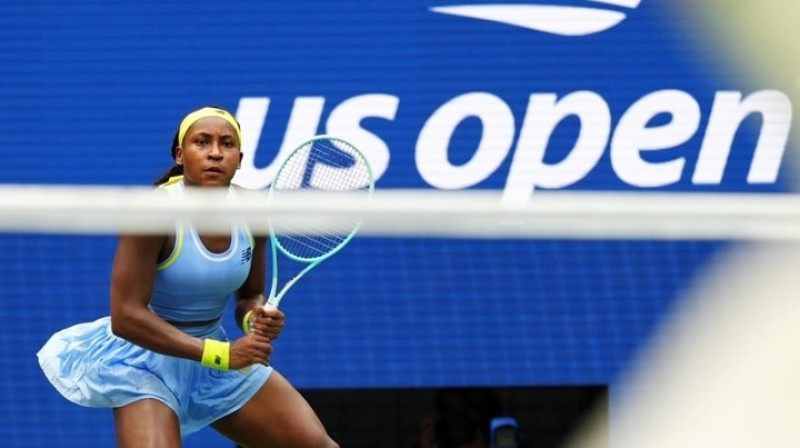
725, 355
421, 213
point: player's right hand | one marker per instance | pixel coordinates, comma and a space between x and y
248, 350
267, 321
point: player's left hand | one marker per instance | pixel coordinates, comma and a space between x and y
267, 321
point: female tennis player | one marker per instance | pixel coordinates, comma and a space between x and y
162, 360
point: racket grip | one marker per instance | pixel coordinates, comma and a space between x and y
268, 305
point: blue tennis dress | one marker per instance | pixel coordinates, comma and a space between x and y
90, 366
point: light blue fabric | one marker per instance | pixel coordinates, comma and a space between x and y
90, 366
193, 284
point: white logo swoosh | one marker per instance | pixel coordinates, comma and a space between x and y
552, 19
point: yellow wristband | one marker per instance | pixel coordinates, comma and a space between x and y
216, 354
246, 322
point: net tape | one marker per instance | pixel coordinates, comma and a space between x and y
409, 213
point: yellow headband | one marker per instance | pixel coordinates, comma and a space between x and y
206, 112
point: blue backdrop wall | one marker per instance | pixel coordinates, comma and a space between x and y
613, 95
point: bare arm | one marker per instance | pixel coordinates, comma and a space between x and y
250, 296
132, 280
251, 293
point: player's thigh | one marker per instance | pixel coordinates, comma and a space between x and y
147, 423
277, 416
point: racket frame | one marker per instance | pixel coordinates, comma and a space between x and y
275, 296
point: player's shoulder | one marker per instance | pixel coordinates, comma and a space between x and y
154, 192
151, 200
251, 196
172, 182
240, 189
243, 192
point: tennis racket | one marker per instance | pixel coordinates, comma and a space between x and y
321, 165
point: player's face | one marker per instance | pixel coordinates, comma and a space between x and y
210, 153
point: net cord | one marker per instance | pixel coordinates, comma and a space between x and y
410, 213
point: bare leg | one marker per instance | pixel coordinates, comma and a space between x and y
276, 417
147, 423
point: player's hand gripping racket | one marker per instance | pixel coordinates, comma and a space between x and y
318, 167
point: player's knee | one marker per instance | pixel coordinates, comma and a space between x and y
325, 442
316, 440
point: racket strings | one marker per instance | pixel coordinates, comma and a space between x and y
311, 246
326, 166
320, 167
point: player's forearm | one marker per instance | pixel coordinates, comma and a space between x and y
145, 329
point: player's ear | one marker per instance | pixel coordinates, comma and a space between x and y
179, 155
240, 160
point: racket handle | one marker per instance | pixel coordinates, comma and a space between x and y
266, 305
269, 305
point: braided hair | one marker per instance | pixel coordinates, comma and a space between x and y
175, 169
